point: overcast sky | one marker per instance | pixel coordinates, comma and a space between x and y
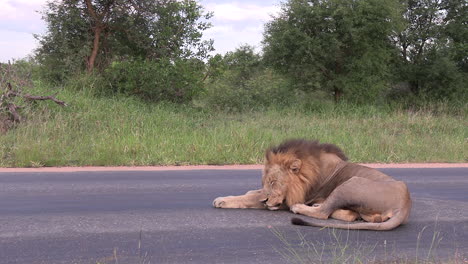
234, 23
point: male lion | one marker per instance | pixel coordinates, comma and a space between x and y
315, 180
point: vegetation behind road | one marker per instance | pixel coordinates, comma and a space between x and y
126, 131
385, 80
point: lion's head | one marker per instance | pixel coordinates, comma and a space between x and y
292, 169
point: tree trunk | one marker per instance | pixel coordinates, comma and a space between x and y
337, 94
92, 58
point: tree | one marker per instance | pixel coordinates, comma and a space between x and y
432, 47
457, 31
339, 46
99, 22
240, 81
85, 34
423, 20
244, 62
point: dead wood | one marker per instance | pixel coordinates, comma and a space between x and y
9, 109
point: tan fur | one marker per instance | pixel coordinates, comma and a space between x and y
315, 180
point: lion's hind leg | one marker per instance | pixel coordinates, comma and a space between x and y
345, 215
312, 211
372, 200
315, 212
346, 195
374, 218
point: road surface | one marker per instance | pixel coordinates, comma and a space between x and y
167, 217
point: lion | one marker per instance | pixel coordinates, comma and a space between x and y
315, 180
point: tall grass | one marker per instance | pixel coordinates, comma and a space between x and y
340, 248
125, 131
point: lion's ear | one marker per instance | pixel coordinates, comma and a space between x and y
296, 166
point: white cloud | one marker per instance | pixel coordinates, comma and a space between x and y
229, 38
16, 45
19, 20
238, 22
19, 10
30, 2
241, 12
218, 30
7, 11
235, 23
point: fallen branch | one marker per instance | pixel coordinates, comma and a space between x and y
12, 109
8, 107
12, 93
52, 98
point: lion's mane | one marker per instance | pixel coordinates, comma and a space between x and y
309, 152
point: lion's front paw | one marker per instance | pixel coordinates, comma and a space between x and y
229, 202
219, 202
299, 208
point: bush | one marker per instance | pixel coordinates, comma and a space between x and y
442, 79
240, 81
165, 80
19, 73
264, 89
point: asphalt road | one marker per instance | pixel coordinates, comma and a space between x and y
167, 217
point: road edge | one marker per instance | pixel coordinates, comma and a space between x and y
218, 167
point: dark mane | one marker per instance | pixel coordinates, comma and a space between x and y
303, 148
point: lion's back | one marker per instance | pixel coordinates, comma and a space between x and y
357, 170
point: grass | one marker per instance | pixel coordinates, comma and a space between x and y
141, 258
340, 249
125, 131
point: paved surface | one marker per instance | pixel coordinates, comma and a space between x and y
84, 217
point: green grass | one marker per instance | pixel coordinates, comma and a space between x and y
339, 248
125, 131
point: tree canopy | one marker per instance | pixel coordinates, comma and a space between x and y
340, 46
363, 48
85, 34
362, 51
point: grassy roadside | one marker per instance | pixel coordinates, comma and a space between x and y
124, 131
344, 247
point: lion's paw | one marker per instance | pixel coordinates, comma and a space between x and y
299, 208
231, 202
219, 202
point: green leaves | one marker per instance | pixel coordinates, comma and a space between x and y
361, 50
146, 29
164, 80
431, 47
337, 46
239, 81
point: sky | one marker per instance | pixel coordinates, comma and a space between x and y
234, 23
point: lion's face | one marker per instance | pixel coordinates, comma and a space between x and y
276, 180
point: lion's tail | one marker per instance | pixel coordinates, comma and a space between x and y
399, 218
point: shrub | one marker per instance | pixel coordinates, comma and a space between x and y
264, 89
165, 80
19, 73
240, 81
